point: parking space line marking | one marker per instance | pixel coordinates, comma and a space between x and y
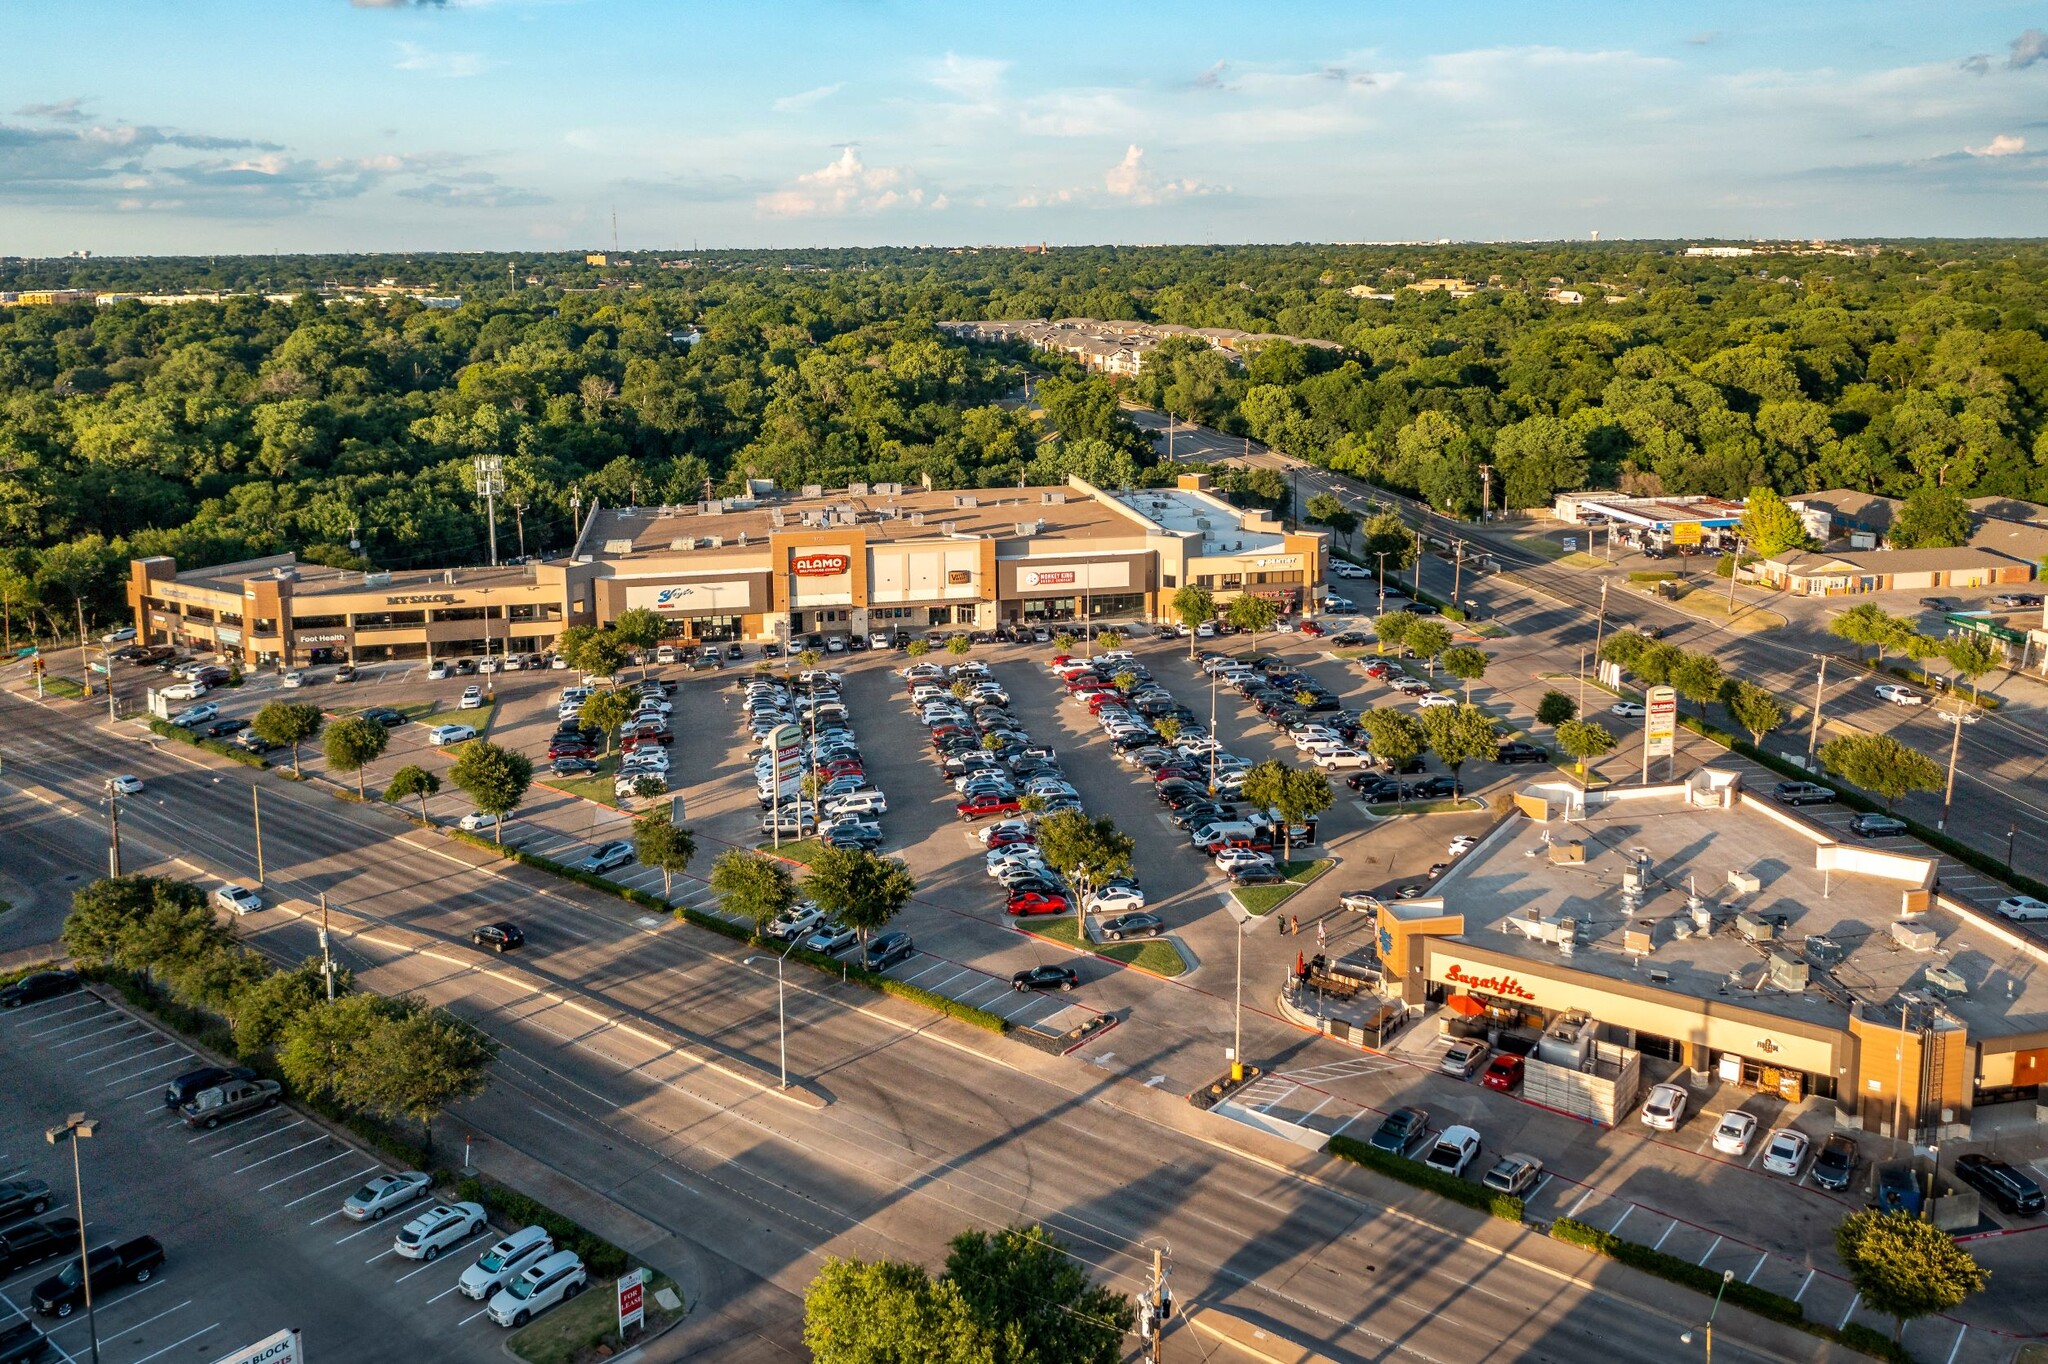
166, 1046
446, 1291
1665, 1237
230, 1123
313, 1141
1619, 1220
297, 1122
1854, 1303
147, 1320
324, 1188
366, 1227
1710, 1251
87, 1037
100, 1306
1313, 1111
426, 1265
124, 1042
1960, 1333
388, 1250
1573, 1211
286, 1179
161, 1065
58, 1013
1751, 1276
176, 1343
1803, 1283
473, 1316
1352, 1119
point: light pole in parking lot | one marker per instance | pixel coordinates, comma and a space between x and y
1381, 555
1955, 743
1819, 685
113, 831
73, 1128
1237, 1011
1727, 1277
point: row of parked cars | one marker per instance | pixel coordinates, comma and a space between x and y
643, 739
841, 807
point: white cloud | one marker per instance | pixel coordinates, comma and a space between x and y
2005, 144
452, 65
2028, 48
971, 78
1131, 180
847, 186
804, 99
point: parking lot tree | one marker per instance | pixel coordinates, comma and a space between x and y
647, 786
1387, 534
1554, 707
105, 914
1167, 727
412, 781
1292, 793
423, 1059
990, 743
569, 644
1752, 707
1063, 641
960, 690
808, 658
1394, 736
1031, 803
1972, 656
1125, 681
1256, 614
752, 886
352, 744
1325, 509
639, 627
494, 778
1654, 665
1194, 605
884, 1311
1427, 639
1467, 664
605, 709
263, 1010
1906, 1267
1871, 626
1623, 648
1084, 848
1392, 629
602, 655
1110, 639
958, 646
1461, 733
918, 648
1584, 740
1770, 526
1880, 765
1934, 517
661, 843
1697, 676
287, 724
858, 888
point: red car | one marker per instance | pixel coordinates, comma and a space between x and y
1503, 1072
982, 807
1010, 840
1309, 627
1038, 902
845, 767
561, 749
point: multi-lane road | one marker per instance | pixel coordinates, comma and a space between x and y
638, 1061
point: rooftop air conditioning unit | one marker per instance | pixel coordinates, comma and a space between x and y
715, 542
686, 542
946, 527
713, 508
1789, 974
856, 490
963, 500
743, 540
1914, 937
1041, 525
376, 580
917, 518
778, 519
814, 490
1023, 528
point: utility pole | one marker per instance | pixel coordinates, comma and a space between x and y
1582, 681
490, 481
1381, 555
326, 957
113, 832
1955, 743
576, 513
1155, 1307
1813, 734
256, 810
85, 672
1734, 567
1600, 626
107, 654
519, 519
1457, 568
1485, 490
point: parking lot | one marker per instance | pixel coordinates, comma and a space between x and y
248, 1214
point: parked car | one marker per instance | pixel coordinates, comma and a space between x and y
798, 919
605, 856
886, 950
472, 699
1513, 1174
1877, 826
505, 1261
225, 1102
549, 1281
23, 1198
1898, 695
2015, 1193
1464, 1057
438, 1228
830, 937
1835, 1162
195, 716
1519, 752
32, 1242
2023, 908
130, 1262
1664, 1110
1734, 1132
1131, 926
501, 936
1627, 710
237, 899
41, 985
1045, 978
184, 1088
1503, 1072
1785, 1152
382, 1194
1400, 1130
441, 735
1456, 1147
1802, 793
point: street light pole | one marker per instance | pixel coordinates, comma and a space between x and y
1727, 1277
1237, 1016
782, 1009
113, 831
1600, 626
1381, 555
256, 811
73, 1128
1813, 734
1955, 743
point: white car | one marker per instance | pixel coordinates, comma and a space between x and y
1737, 1129
798, 919
1898, 695
1335, 759
505, 1261
2022, 908
1455, 1148
183, 691
1786, 1152
472, 699
543, 1284
1116, 900
126, 785
1462, 844
384, 1193
1665, 1108
1239, 859
476, 822
1627, 710
436, 1229
441, 735
1434, 700
292, 680
487, 665
648, 759
120, 636
238, 899
830, 937
437, 671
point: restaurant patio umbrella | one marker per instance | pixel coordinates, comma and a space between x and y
1464, 1006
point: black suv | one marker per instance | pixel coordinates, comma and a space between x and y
23, 1198
1401, 1130
1835, 1163
1802, 793
2012, 1191
1519, 752
27, 1243
502, 936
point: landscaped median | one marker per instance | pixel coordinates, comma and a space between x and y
587, 1326
1266, 899
1156, 955
164, 729
1504, 1206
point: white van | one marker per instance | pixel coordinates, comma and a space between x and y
665, 654
558, 1277
858, 803
505, 1261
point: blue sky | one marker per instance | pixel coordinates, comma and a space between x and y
258, 125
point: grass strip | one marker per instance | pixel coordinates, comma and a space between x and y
1156, 955
512, 1208
587, 1326
1266, 899
166, 730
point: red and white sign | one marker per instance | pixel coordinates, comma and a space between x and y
1504, 986
1660, 723
819, 565
1049, 577
632, 1301
282, 1348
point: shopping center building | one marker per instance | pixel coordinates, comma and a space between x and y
866, 560
1700, 924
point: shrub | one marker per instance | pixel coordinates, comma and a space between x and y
165, 729
1503, 1206
953, 1008
1700, 1279
603, 1259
